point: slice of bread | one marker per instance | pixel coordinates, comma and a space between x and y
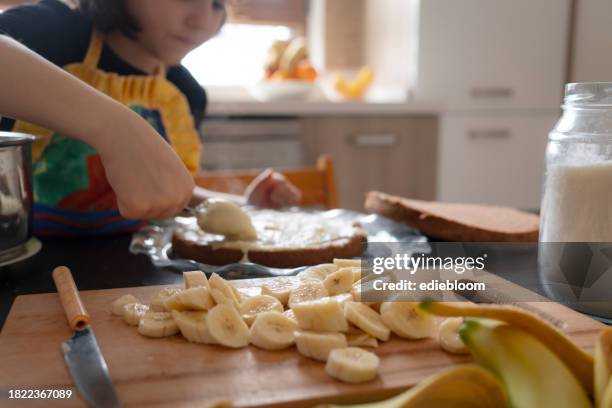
457, 222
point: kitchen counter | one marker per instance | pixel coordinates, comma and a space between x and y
105, 263
320, 108
237, 101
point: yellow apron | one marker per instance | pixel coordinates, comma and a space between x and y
71, 193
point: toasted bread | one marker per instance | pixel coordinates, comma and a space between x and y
457, 222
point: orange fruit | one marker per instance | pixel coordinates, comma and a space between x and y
306, 72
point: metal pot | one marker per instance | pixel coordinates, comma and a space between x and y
16, 198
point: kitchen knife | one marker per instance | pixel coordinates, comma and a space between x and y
81, 352
498, 297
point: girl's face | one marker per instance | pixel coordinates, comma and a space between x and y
169, 29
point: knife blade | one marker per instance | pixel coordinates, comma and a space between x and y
81, 352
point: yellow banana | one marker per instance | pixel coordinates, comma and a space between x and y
579, 361
462, 386
532, 374
603, 369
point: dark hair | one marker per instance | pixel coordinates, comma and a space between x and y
110, 15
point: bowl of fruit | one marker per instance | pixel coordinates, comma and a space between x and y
289, 75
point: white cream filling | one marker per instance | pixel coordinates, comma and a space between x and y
275, 229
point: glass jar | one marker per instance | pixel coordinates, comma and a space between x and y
576, 211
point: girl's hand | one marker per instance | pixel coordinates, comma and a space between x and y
149, 179
271, 189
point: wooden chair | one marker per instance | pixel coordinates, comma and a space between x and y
318, 184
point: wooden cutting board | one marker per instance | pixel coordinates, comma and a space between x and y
172, 372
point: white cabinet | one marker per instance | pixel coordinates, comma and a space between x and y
592, 56
482, 54
493, 159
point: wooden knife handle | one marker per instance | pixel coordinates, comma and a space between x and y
77, 316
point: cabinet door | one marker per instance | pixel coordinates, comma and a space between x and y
477, 54
493, 159
392, 154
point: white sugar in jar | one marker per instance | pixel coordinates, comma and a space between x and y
575, 253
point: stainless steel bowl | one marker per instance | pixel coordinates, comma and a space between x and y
16, 198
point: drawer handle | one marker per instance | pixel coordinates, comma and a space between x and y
373, 139
488, 92
489, 134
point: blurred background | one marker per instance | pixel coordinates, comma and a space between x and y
433, 99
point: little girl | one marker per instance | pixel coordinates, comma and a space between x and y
130, 50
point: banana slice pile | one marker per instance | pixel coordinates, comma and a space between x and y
318, 311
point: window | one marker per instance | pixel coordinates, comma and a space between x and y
236, 56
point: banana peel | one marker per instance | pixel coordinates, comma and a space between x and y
577, 360
533, 375
462, 386
603, 369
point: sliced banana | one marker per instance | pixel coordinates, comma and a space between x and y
357, 274
339, 281
364, 291
196, 298
273, 331
192, 326
121, 302
226, 326
352, 365
225, 287
157, 324
356, 291
221, 298
195, 279
318, 345
343, 298
367, 320
236, 293
317, 272
307, 290
407, 320
356, 337
357, 294
347, 263
289, 313
158, 301
448, 336
251, 307
133, 312
323, 315
280, 288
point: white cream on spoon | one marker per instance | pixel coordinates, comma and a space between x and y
223, 217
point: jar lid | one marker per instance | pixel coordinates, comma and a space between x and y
589, 94
15, 139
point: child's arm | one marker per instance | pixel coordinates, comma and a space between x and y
148, 178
